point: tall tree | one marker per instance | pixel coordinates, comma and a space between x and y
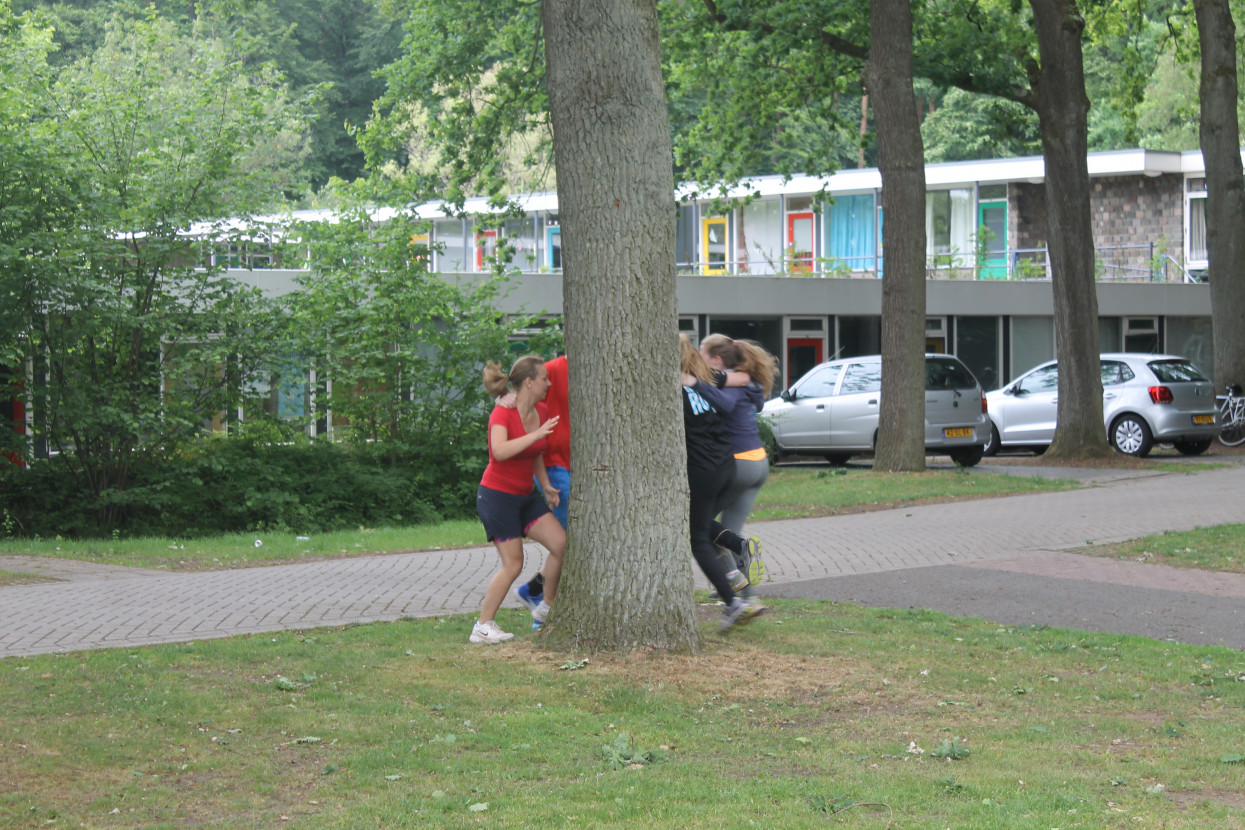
1057, 93
627, 581
1225, 187
888, 79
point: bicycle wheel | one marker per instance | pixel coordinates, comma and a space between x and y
1233, 433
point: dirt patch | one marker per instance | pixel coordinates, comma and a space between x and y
1224, 798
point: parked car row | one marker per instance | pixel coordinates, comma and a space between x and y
1146, 399
832, 411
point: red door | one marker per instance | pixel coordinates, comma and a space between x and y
803, 353
800, 241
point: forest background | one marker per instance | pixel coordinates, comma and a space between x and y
1140, 65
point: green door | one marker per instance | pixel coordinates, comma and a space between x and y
992, 239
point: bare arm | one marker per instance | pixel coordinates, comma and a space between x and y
505, 447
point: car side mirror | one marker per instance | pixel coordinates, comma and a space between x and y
787, 395
1012, 390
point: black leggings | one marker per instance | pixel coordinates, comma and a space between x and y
707, 491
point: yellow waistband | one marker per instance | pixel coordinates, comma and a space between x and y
752, 455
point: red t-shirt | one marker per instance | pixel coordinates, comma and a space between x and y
558, 451
514, 475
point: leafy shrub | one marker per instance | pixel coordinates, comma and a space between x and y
228, 485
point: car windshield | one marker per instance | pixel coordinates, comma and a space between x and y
1175, 371
947, 373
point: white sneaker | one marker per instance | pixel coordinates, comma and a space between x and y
488, 632
541, 612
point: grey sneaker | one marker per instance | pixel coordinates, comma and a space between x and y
738, 580
740, 612
753, 565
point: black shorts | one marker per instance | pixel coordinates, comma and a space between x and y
507, 516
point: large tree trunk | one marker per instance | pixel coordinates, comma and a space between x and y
1225, 188
1058, 89
627, 580
901, 161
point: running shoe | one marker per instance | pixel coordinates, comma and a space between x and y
754, 565
524, 594
740, 612
488, 632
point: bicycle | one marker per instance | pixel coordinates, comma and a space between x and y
1232, 418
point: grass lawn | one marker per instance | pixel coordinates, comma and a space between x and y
820, 714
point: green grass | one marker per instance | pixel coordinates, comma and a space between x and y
802, 493
789, 493
1220, 548
820, 715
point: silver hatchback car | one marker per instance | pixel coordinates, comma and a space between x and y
1146, 398
833, 410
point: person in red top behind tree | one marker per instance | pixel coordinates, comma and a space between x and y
506, 502
557, 466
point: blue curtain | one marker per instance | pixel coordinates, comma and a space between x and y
851, 232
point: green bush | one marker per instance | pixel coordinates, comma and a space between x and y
229, 484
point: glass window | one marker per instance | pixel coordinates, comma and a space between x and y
977, 344
1045, 379
1190, 337
862, 377
760, 242
520, 235
947, 373
859, 335
1109, 334
1175, 371
849, 238
819, 383
1115, 372
1197, 228
949, 226
1033, 342
714, 244
553, 244
685, 238
451, 255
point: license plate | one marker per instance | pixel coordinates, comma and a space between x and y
957, 432
1203, 419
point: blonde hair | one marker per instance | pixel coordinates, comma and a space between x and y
744, 356
498, 383
691, 362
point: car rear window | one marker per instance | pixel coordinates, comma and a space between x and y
1175, 371
947, 373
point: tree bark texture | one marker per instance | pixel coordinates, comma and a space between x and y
627, 578
1058, 88
1225, 188
901, 161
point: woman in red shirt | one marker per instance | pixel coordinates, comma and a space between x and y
506, 502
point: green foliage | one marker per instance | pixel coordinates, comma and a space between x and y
471, 77
402, 347
232, 485
623, 753
132, 347
966, 126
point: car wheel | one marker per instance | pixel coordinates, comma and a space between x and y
1192, 447
1131, 435
967, 456
992, 446
837, 459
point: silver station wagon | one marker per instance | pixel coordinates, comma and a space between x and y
833, 411
1146, 398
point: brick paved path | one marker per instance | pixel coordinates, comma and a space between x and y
100, 606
